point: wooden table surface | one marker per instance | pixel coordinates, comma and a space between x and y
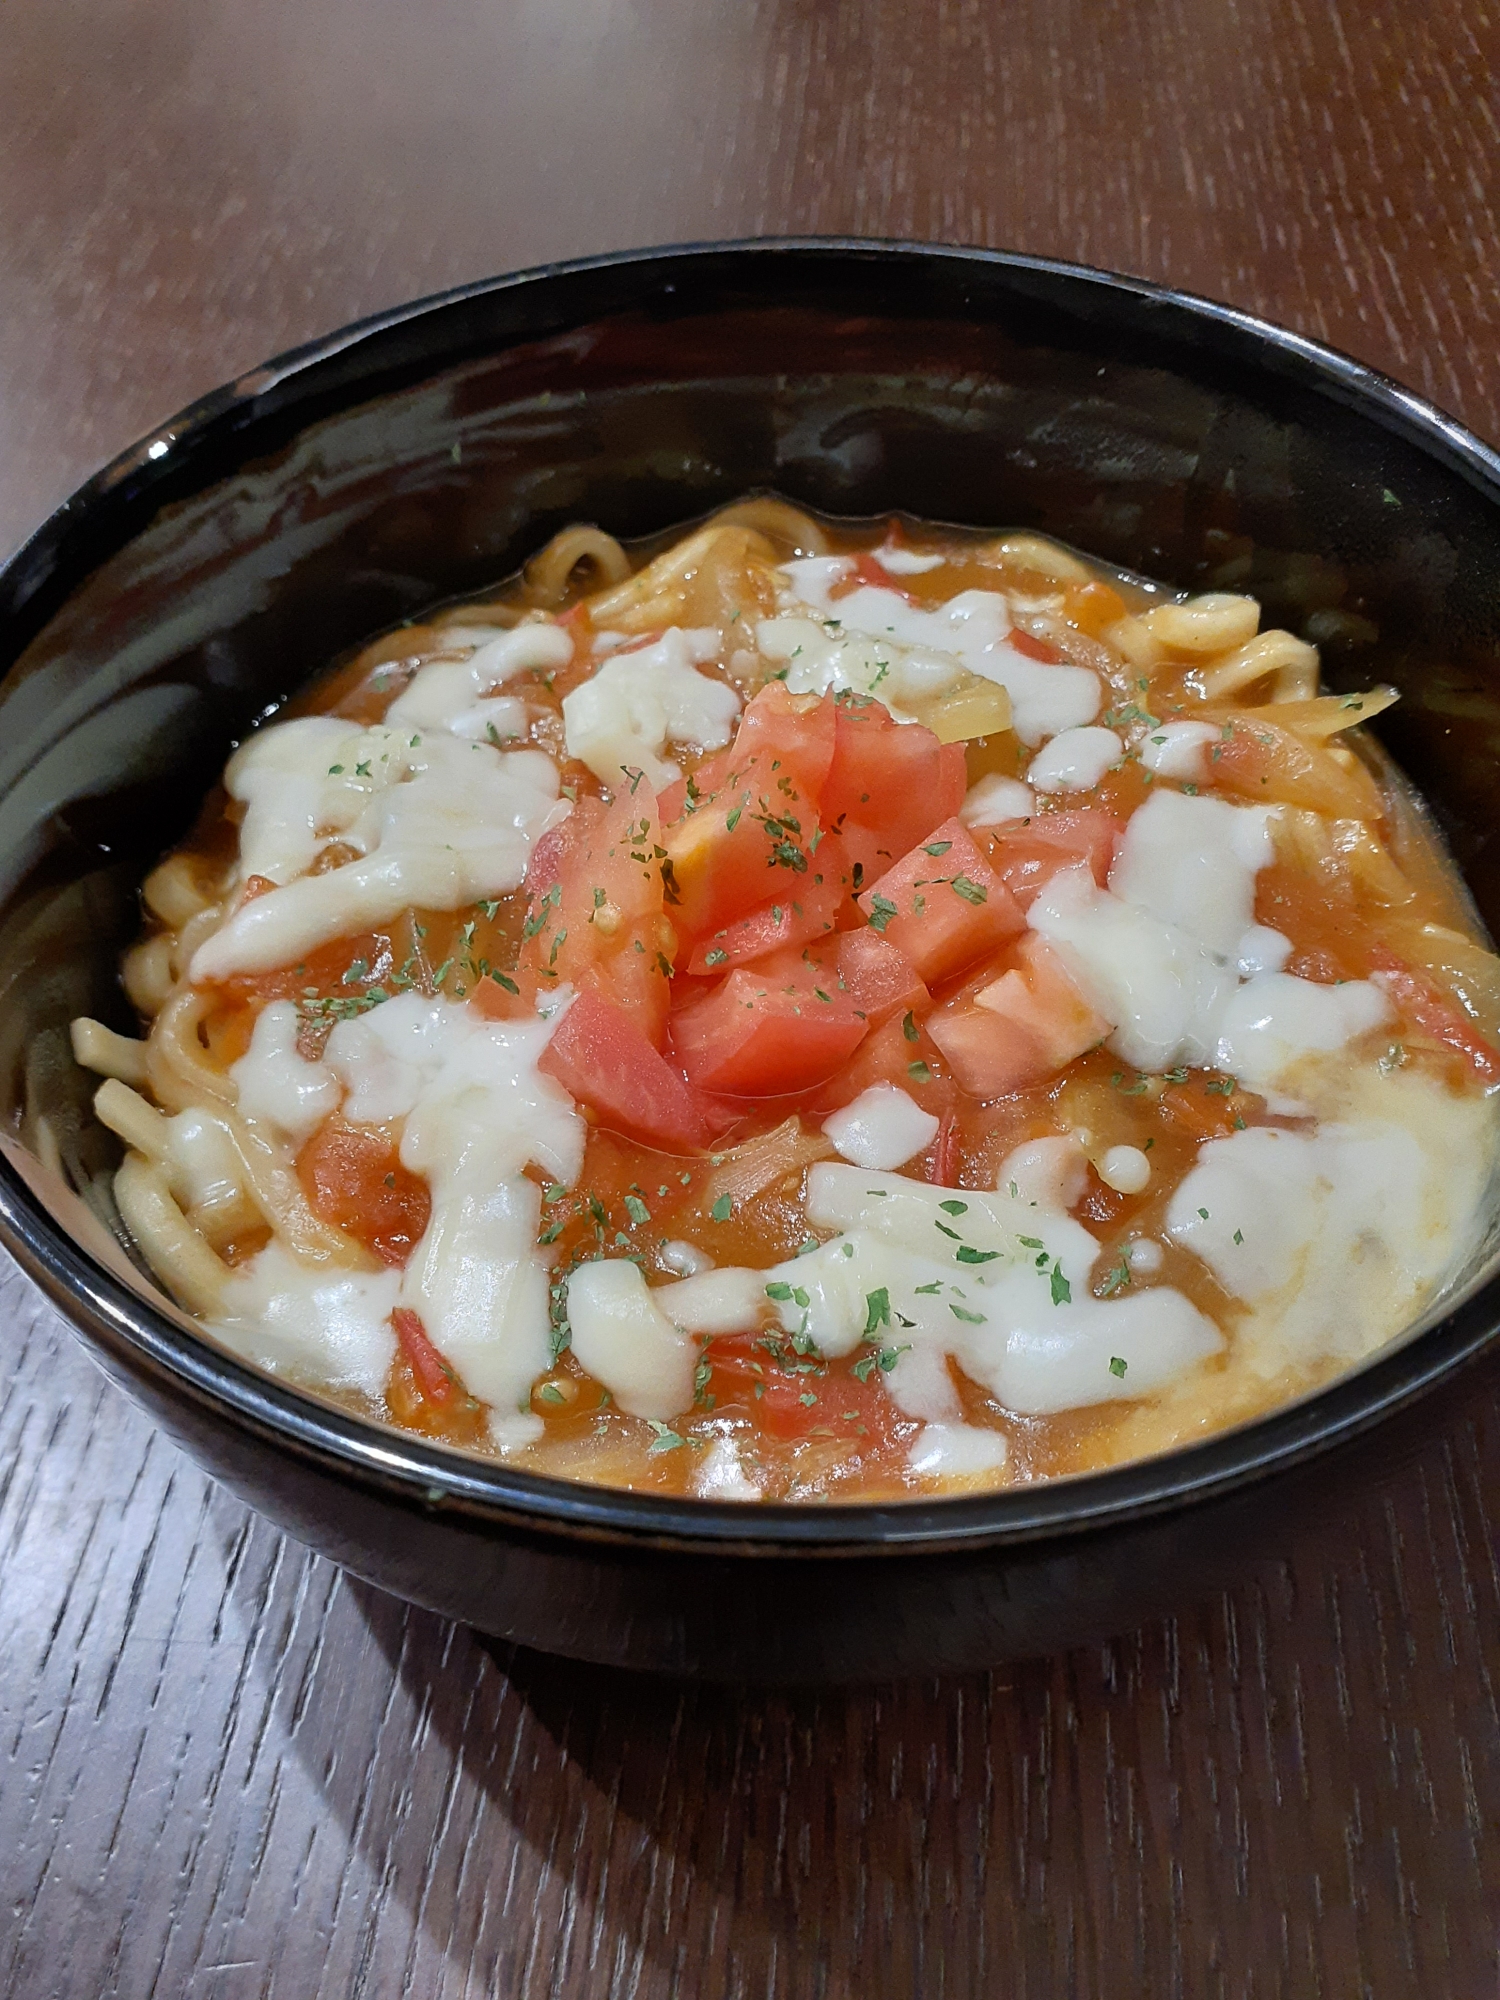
225, 1769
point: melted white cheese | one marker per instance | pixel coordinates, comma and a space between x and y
1045, 1173
1334, 1237
1160, 951
884, 1127
1276, 1019
956, 1451
1193, 862
438, 823
906, 562
624, 1339
477, 1111
622, 719
459, 695
994, 799
1075, 761
873, 642
721, 1473
820, 657
1161, 990
1261, 950
1126, 1169
997, 1282
729, 1301
297, 784
686, 1259
331, 1330
277, 1085
1179, 750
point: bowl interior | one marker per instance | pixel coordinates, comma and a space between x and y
213, 570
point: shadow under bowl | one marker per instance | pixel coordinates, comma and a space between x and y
223, 561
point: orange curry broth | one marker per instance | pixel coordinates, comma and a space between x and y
803, 1427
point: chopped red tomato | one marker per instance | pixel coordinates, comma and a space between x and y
435, 1378
789, 732
790, 1399
783, 1026
1424, 1004
749, 830
889, 784
596, 920
751, 843
353, 1177
601, 1057
942, 904
878, 977
744, 834
674, 799
1027, 853
1019, 1029
809, 912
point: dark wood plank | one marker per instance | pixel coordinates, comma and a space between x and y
227, 1771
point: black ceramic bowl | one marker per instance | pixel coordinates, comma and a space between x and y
221, 562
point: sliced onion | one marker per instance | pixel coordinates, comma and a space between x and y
747, 1170
1325, 715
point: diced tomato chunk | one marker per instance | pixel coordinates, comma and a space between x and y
745, 832
672, 802
878, 977
768, 1031
1019, 1029
353, 1177
752, 843
600, 1057
788, 732
942, 904
596, 920
889, 784
989, 1055
809, 912
1027, 853
550, 850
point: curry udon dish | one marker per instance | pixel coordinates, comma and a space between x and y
809, 1012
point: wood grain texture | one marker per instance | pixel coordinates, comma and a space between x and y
227, 1771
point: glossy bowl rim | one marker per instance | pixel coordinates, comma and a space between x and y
426, 1475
